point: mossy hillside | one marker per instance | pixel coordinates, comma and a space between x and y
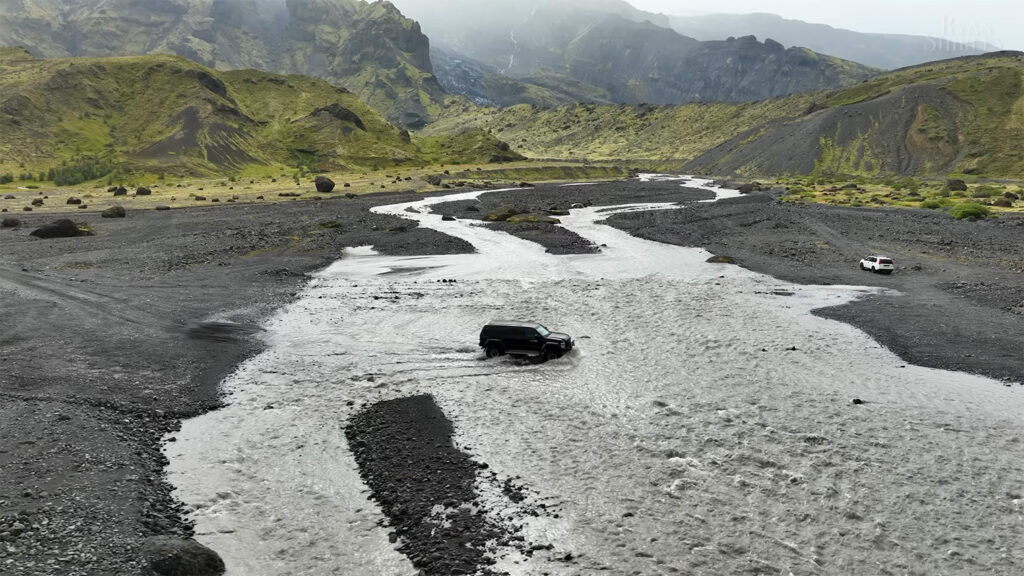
168, 115
916, 121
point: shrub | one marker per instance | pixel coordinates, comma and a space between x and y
931, 204
968, 210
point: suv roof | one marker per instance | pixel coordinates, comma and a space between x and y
513, 323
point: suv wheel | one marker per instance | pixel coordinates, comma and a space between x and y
550, 355
493, 351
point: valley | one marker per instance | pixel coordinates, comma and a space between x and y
247, 246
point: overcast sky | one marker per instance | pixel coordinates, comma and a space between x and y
998, 22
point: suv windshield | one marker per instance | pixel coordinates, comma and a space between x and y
543, 331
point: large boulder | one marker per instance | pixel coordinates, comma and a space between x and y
324, 184
143, 191
956, 185
63, 228
114, 212
170, 556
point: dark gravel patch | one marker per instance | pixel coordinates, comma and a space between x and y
108, 341
960, 282
405, 454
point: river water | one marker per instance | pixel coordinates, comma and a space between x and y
704, 424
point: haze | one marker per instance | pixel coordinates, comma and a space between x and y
995, 22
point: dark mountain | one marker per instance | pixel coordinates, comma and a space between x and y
886, 51
370, 49
546, 52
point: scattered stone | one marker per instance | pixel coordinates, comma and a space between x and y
83, 206
858, 401
27, 209
324, 184
289, 195
526, 185
62, 228
9, 197
37, 201
200, 198
143, 191
434, 180
577, 206
114, 212
162, 208
349, 195
170, 556
721, 260
448, 218
120, 191
72, 201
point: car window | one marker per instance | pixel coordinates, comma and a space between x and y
884, 261
542, 330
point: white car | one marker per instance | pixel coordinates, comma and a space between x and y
883, 264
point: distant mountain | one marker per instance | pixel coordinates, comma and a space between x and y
546, 52
958, 115
370, 49
886, 51
90, 117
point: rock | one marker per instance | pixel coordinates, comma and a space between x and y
858, 401
63, 228
9, 197
27, 209
324, 184
200, 198
289, 195
720, 260
83, 206
120, 191
349, 195
526, 185
37, 201
162, 207
114, 212
347, 185
143, 191
74, 201
749, 187
954, 184
1011, 196
112, 189
170, 556
434, 180
10, 223
502, 214
448, 218
577, 206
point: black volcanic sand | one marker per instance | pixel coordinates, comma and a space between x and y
107, 341
961, 284
540, 200
406, 456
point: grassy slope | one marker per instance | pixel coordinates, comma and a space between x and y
166, 114
987, 136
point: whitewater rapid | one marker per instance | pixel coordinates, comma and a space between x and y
703, 425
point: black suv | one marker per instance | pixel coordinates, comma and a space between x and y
523, 338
